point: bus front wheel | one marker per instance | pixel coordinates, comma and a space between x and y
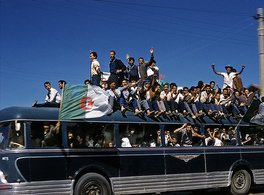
240, 183
92, 184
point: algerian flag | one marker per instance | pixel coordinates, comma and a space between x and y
83, 101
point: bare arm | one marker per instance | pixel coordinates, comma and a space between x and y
217, 73
243, 67
180, 128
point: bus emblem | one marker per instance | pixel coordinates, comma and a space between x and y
186, 158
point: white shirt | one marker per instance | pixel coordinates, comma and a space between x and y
217, 142
95, 66
109, 92
150, 72
163, 94
205, 96
228, 79
53, 96
179, 98
261, 108
125, 142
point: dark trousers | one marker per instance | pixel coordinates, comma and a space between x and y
96, 80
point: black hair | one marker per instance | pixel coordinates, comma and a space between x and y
94, 54
87, 80
113, 52
131, 58
47, 83
62, 82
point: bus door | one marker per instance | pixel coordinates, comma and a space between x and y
184, 160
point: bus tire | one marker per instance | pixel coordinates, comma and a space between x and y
240, 183
92, 184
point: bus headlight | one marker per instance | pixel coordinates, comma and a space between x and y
2, 177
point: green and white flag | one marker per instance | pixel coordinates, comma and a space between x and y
84, 101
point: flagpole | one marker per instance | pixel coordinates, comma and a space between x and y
62, 92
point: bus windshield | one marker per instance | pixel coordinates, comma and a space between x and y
4, 128
11, 135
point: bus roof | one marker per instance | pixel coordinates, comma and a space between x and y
52, 114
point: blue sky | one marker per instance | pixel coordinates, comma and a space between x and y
49, 40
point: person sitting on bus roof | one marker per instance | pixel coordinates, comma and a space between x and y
185, 104
52, 98
143, 93
125, 100
134, 97
239, 100
113, 95
175, 98
165, 96
195, 104
186, 134
225, 100
156, 97
213, 89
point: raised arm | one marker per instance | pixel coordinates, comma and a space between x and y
243, 67
180, 128
213, 67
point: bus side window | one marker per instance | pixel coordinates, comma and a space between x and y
86, 135
252, 136
139, 135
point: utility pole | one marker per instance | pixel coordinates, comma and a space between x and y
261, 49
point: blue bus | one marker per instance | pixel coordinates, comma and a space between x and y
126, 154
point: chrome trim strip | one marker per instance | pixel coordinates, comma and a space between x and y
54, 187
165, 183
258, 176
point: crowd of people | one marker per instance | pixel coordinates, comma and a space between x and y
136, 87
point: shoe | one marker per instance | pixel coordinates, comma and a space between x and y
123, 109
150, 113
176, 113
169, 113
137, 112
157, 114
